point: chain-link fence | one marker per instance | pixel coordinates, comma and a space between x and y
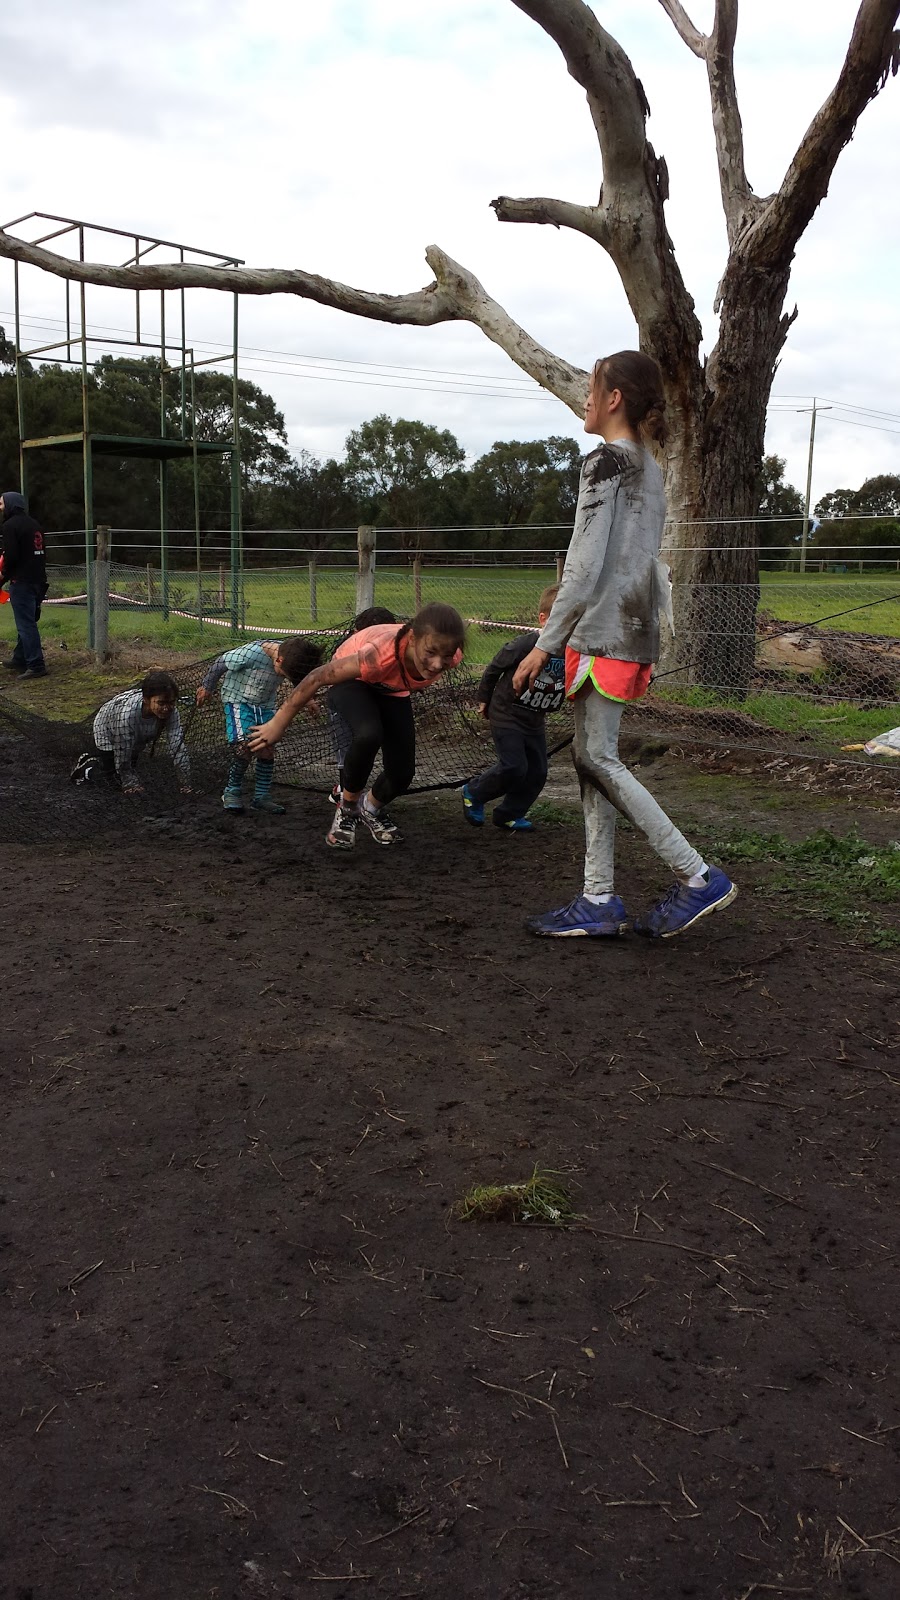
802, 663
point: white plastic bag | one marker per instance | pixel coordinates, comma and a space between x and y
885, 744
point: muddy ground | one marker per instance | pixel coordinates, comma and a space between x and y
247, 1352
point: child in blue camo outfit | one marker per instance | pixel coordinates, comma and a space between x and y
250, 678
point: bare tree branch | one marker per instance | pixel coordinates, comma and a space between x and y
474, 304
873, 55
630, 221
615, 96
739, 203
456, 295
693, 38
591, 220
424, 307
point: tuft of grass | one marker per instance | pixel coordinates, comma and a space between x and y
841, 878
540, 1199
555, 812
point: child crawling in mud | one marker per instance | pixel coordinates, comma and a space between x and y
606, 620
129, 724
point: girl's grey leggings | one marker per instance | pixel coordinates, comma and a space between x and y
607, 787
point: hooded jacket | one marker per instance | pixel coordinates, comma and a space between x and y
23, 544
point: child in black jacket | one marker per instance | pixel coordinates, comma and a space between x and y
517, 724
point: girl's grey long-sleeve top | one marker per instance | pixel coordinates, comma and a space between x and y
613, 585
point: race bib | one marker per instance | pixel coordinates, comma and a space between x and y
549, 688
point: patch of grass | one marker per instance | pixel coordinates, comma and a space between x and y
555, 813
841, 878
540, 1199
793, 598
818, 720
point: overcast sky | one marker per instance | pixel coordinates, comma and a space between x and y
345, 136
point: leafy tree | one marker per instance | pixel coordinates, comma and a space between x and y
869, 515
778, 500
519, 482
307, 495
124, 398
401, 472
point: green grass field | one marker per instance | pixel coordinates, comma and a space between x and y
280, 599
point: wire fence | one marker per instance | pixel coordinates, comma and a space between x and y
801, 664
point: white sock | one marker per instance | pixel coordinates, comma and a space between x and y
370, 805
599, 899
700, 879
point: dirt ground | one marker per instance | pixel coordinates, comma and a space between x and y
247, 1352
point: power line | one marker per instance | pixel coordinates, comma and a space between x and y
287, 357
845, 405
500, 387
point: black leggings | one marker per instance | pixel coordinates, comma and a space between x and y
375, 721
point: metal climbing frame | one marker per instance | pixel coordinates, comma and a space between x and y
176, 356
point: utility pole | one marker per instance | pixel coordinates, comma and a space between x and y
812, 440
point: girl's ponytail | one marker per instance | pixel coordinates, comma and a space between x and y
639, 381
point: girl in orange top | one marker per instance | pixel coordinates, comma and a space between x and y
369, 680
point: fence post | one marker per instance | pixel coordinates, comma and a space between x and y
100, 588
221, 586
560, 563
149, 584
417, 580
365, 574
313, 591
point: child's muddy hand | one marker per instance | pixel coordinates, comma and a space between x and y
528, 669
203, 695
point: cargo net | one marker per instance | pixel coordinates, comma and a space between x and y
38, 755
807, 693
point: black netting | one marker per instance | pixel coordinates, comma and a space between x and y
452, 742
452, 739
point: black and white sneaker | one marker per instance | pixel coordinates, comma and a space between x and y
86, 767
336, 795
379, 824
342, 833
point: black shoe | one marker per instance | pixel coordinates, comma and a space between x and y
33, 672
86, 768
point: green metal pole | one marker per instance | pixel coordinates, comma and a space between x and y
20, 394
196, 467
237, 609
88, 467
87, 461
164, 537
163, 466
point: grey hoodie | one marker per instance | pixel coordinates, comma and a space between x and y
613, 585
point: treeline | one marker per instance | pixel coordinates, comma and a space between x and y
869, 515
395, 474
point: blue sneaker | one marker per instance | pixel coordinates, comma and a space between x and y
581, 918
474, 813
682, 907
233, 800
513, 824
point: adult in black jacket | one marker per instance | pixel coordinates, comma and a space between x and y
25, 571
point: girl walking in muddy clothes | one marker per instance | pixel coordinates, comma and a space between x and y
606, 619
370, 679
